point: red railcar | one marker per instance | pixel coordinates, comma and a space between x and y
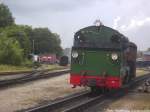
48, 58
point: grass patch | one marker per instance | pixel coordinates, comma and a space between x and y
11, 68
52, 67
140, 72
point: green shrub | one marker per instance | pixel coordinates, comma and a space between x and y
28, 63
10, 52
12, 68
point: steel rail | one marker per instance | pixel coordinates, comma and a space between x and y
60, 103
20, 72
31, 77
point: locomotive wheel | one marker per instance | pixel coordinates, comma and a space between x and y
93, 89
126, 78
132, 73
98, 90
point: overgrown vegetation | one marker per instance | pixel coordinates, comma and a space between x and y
10, 51
12, 68
18, 42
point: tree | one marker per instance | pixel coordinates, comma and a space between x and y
19, 33
46, 41
10, 51
6, 18
16, 41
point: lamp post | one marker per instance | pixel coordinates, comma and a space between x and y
33, 48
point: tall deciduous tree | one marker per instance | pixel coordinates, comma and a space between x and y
16, 41
6, 18
45, 41
19, 33
10, 51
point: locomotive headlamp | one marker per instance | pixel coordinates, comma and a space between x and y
74, 54
114, 56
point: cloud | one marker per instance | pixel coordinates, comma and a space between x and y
116, 20
47, 5
133, 24
140, 35
137, 30
67, 16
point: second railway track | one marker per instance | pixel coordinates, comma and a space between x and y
31, 77
82, 101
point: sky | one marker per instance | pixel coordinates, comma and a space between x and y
65, 17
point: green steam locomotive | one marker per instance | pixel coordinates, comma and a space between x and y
102, 57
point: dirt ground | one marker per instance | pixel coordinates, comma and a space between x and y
31, 94
132, 102
140, 72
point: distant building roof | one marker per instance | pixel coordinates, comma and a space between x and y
146, 53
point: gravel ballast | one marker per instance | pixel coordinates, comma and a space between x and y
31, 94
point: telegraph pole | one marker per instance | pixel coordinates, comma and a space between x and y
33, 47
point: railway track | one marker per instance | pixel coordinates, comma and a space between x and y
62, 103
30, 77
14, 73
82, 101
22, 72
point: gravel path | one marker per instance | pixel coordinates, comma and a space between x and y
31, 94
140, 72
133, 101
